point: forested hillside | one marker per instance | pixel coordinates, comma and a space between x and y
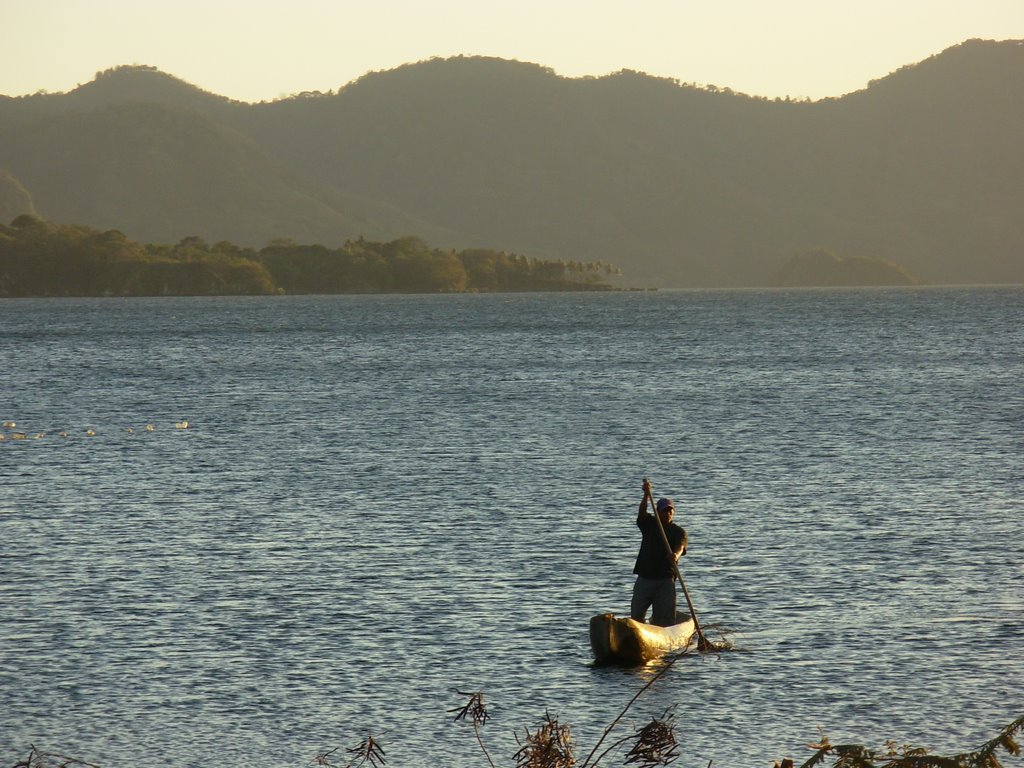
14, 198
679, 185
39, 258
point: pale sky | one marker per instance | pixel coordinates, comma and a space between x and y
256, 50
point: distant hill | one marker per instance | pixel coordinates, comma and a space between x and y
820, 268
678, 185
168, 171
14, 198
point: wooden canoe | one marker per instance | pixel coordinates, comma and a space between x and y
630, 643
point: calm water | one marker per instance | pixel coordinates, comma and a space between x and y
384, 499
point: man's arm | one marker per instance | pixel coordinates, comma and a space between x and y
642, 512
681, 549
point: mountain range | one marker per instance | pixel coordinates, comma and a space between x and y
678, 185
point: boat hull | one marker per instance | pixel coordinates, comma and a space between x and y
630, 643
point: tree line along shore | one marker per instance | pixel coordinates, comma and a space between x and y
40, 258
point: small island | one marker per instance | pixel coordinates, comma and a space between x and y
821, 268
40, 258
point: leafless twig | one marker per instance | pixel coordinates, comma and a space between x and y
39, 759
368, 751
476, 713
550, 746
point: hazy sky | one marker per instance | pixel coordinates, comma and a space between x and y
265, 49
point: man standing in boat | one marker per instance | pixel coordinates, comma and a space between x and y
655, 568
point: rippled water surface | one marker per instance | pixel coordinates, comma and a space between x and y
383, 500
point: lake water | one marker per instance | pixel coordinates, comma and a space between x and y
382, 501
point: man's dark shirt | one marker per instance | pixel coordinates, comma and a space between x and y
652, 562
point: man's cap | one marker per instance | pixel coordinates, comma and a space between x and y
664, 504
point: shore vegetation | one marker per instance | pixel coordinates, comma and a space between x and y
40, 258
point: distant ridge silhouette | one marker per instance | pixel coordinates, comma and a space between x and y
677, 184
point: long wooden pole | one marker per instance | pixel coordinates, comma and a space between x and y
702, 642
